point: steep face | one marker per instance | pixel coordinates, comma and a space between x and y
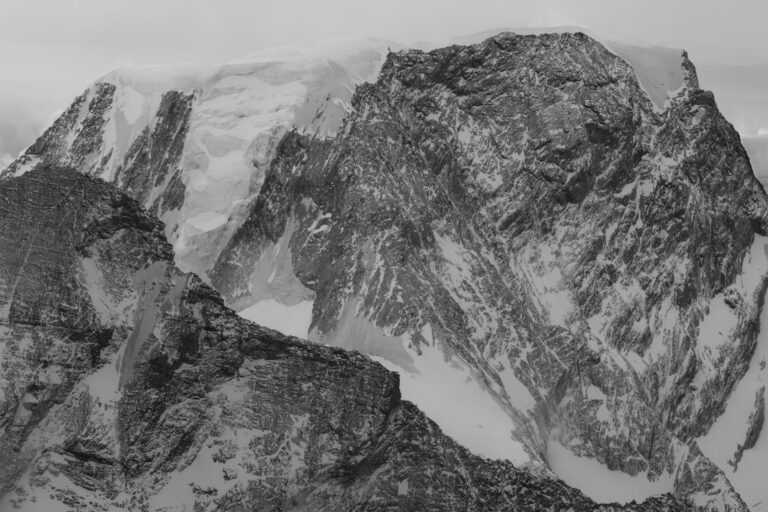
522, 209
192, 143
128, 385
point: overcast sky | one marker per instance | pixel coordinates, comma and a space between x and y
51, 49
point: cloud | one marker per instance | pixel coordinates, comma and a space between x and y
51, 50
5, 161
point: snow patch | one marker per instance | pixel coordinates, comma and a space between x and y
600, 483
448, 393
289, 320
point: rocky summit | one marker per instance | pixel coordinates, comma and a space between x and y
564, 263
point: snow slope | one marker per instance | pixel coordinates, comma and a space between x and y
600, 483
241, 110
291, 320
447, 391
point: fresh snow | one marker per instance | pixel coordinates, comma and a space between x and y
290, 320
600, 483
519, 395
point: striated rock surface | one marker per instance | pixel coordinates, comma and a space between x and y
128, 385
597, 264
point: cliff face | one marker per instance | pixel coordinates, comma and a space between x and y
127, 385
597, 263
554, 261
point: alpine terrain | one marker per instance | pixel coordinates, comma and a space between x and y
554, 247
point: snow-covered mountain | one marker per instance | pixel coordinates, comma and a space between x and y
192, 142
558, 244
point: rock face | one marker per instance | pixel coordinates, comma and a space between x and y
521, 204
525, 226
128, 385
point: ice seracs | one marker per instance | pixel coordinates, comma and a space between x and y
238, 112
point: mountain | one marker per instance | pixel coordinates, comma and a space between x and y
128, 385
560, 247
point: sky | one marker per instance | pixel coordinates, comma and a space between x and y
51, 50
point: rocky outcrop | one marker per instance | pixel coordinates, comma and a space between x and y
522, 205
128, 385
